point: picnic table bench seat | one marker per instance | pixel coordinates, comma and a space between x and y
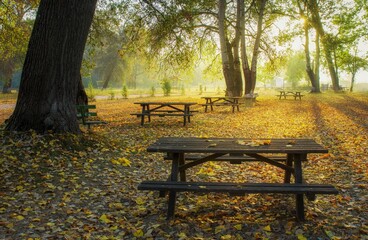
84, 113
162, 114
239, 188
233, 159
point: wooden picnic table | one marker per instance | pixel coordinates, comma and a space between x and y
221, 101
285, 94
163, 109
187, 152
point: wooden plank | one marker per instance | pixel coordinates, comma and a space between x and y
283, 188
161, 114
231, 145
228, 158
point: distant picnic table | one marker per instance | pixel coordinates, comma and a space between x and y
285, 94
163, 109
187, 152
233, 102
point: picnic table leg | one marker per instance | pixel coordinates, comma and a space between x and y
289, 162
149, 113
142, 116
182, 174
205, 107
299, 198
174, 177
211, 104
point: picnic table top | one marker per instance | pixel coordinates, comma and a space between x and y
235, 145
283, 91
222, 97
166, 103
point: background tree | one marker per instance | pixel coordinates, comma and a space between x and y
352, 63
51, 70
15, 30
295, 70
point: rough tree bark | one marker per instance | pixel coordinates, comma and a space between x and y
226, 54
250, 74
326, 42
82, 98
49, 82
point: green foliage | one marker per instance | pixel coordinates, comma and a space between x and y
124, 92
295, 70
152, 92
182, 90
91, 92
166, 86
112, 94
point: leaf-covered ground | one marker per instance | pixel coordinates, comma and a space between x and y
85, 187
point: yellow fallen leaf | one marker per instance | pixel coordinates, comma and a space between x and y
138, 233
10, 225
105, 219
139, 201
113, 228
238, 227
118, 206
121, 161
19, 217
301, 237
50, 224
182, 235
267, 228
219, 229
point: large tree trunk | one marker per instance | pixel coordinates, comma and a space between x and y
251, 74
326, 42
352, 81
50, 76
309, 70
317, 65
238, 80
7, 69
82, 98
226, 55
243, 54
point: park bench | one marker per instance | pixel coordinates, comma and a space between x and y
84, 113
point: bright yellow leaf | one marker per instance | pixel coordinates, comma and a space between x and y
301, 237
140, 201
105, 219
267, 228
238, 227
219, 229
138, 233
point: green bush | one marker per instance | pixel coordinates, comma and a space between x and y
166, 86
91, 92
153, 90
124, 92
112, 94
